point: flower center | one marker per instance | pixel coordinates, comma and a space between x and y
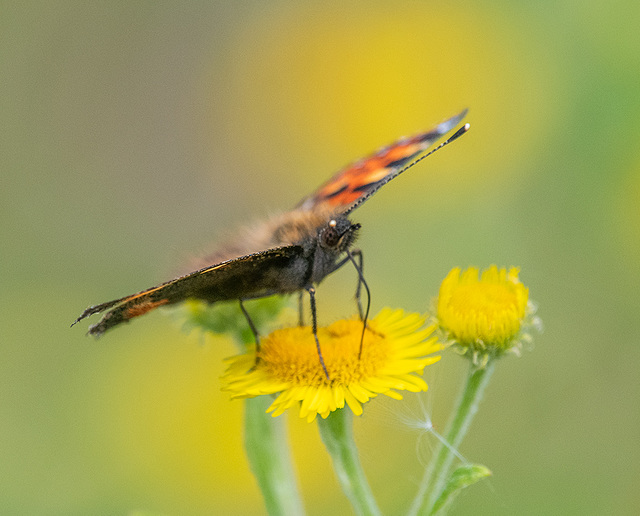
290, 355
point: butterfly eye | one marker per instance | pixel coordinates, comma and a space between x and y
330, 237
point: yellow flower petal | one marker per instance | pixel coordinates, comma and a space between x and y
393, 354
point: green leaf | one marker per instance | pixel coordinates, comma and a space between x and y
462, 477
227, 318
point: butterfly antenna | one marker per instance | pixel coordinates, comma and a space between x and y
449, 140
383, 182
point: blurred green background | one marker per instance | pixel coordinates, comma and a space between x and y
135, 134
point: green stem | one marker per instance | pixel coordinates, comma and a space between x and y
436, 475
337, 434
268, 454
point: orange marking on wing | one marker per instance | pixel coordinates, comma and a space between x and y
212, 268
143, 308
345, 197
135, 296
345, 188
372, 176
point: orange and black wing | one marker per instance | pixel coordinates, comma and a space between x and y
355, 183
275, 271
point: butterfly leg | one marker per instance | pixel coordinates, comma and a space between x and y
361, 282
359, 266
300, 309
253, 329
314, 322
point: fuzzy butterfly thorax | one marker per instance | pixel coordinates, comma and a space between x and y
294, 227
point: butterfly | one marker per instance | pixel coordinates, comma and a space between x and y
288, 253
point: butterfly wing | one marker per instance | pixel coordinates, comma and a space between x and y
353, 184
275, 271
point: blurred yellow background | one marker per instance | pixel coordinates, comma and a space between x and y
134, 134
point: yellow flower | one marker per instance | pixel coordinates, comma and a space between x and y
393, 355
483, 314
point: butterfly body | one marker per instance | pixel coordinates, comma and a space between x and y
288, 253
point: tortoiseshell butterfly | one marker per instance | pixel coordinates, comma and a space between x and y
290, 252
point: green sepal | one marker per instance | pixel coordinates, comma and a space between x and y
462, 477
227, 319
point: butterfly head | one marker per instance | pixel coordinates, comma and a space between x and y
338, 234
